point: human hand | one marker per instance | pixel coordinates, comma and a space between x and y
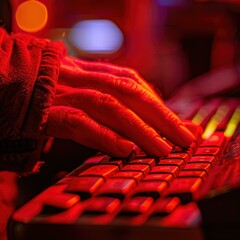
217, 82
109, 108
8, 197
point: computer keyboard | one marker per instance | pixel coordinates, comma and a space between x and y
192, 193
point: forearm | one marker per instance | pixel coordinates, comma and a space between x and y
28, 77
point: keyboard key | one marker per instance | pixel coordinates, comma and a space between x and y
174, 170
137, 176
207, 151
184, 156
165, 206
172, 162
168, 177
53, 204
198, 166
103, 170
117, 188
117, 162
194, 174
149, 161
151, 188
144, 168
184, 188
84, 186
204, 159
217, 139
136, 205
101, 205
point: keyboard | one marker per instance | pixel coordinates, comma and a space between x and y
193, 193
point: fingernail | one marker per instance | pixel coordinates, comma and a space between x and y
187, 136
124, 147
195, 129
164, 148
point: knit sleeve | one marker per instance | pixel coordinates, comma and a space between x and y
29, 69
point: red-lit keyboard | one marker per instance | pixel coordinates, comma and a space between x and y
193, 193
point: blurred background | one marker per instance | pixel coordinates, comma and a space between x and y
168, 42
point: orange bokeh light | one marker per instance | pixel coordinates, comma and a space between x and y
31, 16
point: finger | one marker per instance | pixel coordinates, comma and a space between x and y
146, 105
195, 129
109, 68
111, 113
69, 123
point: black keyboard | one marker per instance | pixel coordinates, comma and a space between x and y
192, 193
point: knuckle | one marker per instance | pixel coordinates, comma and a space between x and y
103, 131
106, 101
169, 116
131, 71
76, 119
127, 85
147, 131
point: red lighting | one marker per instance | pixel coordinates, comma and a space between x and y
31, 16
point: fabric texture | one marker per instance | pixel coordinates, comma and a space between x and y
29, 69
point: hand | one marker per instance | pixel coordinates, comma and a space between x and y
8, 197
109, 108
216, 82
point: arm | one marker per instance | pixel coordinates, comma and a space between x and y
217, 82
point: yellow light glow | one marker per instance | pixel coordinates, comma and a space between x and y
199, 117
31, 16
72, 201
215, 120
233, 123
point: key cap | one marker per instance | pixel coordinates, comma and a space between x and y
103, 170
198, 166
184, 156
207, 151
149, 161
151, 188
172, 162
117, 188
168, 177
84, 186
184, 188
137, 176
110, 161
144, 168
165, 206
53, 204
217, 139
204, 159
136, 206
102, 205
174, 170
193, 174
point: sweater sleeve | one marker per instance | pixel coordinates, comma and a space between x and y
29, 69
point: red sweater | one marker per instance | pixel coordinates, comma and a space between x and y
29, 69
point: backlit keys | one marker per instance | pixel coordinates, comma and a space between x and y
185, 188
117, 187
